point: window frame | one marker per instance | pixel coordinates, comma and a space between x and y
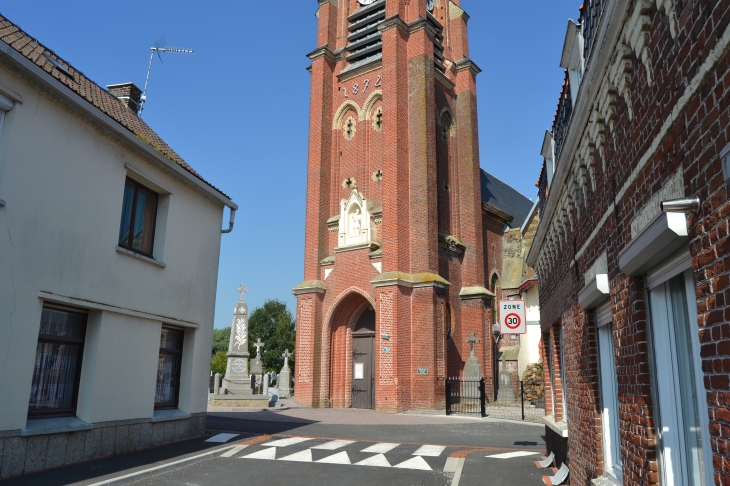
44, 338
608, 384
128, 245
656, 293
176, 403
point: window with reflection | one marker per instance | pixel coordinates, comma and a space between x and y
57, 369
169, 364
139, 215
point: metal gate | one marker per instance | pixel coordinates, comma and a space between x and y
465, 397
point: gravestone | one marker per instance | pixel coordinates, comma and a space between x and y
257, 365
472, 369
506, 394
236, 388
284, 380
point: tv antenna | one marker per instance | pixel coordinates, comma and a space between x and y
158, 49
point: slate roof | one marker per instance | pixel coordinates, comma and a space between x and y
94, 94
505, 198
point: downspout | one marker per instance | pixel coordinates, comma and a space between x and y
230, 222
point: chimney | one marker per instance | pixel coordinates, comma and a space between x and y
128, 93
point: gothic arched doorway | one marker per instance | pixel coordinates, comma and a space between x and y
352, 327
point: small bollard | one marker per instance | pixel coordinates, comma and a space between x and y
217, 384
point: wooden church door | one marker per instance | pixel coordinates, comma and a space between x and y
363, 361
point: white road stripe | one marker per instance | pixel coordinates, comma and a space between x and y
303, 456
430, 451
415, 463
511, 455
234, 451
285, 442
269, 454
381, 448
377, 461
334, 445
222, 438
339, 458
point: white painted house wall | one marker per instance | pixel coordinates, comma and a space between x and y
530, 342
62, 178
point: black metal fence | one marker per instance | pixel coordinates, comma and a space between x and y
465, 397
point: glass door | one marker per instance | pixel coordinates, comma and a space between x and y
682, 422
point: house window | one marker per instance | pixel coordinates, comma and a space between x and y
683, 425
139, 215
57, 368
609, 394
169, 365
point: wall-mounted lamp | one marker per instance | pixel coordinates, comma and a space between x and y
684, 205
496, 330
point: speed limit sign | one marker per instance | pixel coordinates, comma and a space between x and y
512, 317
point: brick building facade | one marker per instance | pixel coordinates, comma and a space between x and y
633, 295
397, 234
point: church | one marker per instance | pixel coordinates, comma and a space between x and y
403, 244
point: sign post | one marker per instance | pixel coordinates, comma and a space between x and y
512, 319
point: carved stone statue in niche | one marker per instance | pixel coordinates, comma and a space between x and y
356, 221
355, 224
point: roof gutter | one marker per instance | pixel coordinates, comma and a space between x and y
103, 119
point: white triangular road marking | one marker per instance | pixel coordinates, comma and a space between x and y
269, 453
334, 445
510, 455
339, 458
377, 461
430, 451
381, 448
415, 463
304, 456
234, 451
285, 442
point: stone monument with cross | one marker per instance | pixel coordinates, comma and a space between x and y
235, 391
257, 364
285, 376
472, 369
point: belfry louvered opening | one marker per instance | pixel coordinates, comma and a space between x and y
438, 42
365, 40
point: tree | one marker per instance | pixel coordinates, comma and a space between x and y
219, 362
221, 338
276, 327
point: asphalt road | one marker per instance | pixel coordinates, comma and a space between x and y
348, 455
294, 451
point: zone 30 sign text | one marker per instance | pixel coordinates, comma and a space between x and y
512, 319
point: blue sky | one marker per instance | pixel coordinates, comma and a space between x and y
237, 110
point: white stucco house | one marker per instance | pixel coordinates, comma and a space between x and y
109, 249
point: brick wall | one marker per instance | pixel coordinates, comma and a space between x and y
427, 188
671, 119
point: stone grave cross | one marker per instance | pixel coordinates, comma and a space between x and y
473, 339
242, 289
286, 355
258, 345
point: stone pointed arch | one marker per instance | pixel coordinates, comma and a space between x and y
351, 303
342, 111
367, 107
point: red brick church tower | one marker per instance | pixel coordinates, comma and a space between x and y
395, 249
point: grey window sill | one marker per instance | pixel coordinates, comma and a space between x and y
141, 257
167, 415
54, 426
